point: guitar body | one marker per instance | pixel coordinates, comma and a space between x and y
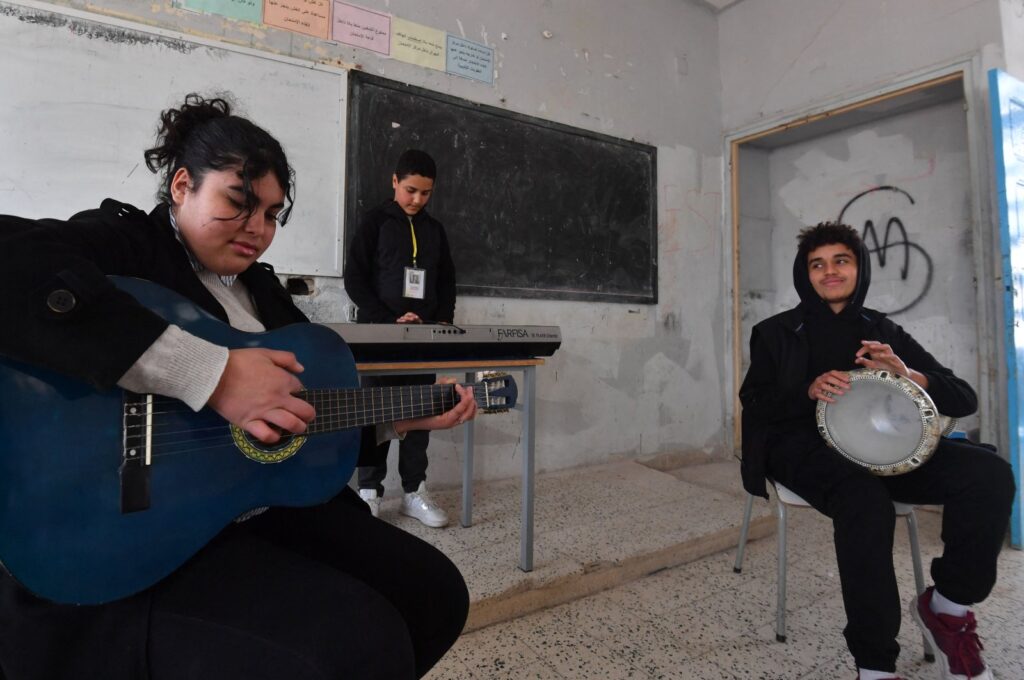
63, 534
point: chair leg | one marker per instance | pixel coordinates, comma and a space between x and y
780, 613
915, 552
744, 530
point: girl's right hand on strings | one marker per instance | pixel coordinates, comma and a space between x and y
257, 390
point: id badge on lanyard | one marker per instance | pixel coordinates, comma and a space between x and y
415, 278
415, 283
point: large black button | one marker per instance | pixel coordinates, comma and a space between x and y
61, 301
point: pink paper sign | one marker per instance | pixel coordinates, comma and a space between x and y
361, 27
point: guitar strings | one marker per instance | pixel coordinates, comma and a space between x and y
327, 411
332, 406
326, 416
337, 402
334, 397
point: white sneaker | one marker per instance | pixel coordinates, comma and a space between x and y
418, 505
371, 498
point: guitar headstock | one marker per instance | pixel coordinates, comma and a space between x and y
495, 392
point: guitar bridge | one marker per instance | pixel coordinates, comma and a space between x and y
137, 454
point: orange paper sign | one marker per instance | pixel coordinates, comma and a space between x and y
312, 17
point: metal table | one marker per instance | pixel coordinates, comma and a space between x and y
526, 404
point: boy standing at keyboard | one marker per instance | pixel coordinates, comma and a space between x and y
399, 270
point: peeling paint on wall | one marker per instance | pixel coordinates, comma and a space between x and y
93, 31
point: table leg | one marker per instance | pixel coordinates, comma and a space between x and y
467, 468
529, 430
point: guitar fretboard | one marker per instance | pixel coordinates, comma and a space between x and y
343, 409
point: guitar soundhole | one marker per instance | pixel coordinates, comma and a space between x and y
254, 449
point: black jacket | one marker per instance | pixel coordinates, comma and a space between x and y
96, 340
106, 330
380, 251
774, 391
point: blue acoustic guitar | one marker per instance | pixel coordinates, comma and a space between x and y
104, 494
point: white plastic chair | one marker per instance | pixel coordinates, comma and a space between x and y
785, 499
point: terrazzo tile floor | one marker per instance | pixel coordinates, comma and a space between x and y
594, 527
700, 620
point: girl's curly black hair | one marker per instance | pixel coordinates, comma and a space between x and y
203, 135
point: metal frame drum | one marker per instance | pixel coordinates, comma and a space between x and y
883, 417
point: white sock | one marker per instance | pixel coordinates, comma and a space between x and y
868, 674
941, 605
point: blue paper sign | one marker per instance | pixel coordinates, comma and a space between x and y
242, 10
470, 60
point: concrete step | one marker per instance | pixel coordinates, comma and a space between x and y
595, 528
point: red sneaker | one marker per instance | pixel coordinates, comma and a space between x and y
957, 646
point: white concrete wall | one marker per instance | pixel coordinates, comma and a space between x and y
783, 56
924, 153
629, 379
758, 284
1012, 13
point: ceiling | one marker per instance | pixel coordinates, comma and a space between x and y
718, 5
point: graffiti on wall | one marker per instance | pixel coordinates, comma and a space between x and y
896, 242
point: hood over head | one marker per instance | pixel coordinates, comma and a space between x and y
810, 301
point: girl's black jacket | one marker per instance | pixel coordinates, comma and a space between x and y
105, 330
99, 334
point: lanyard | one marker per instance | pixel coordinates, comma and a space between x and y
415, 248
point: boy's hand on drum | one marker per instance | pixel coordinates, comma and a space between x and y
828, 386
874, 354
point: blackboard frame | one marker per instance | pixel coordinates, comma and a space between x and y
359, 186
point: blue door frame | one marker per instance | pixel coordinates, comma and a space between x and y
1007, 105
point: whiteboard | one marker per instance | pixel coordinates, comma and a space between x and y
79, 101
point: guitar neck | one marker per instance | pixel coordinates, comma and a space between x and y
348, 408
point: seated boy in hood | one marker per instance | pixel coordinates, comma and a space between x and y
803, 355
